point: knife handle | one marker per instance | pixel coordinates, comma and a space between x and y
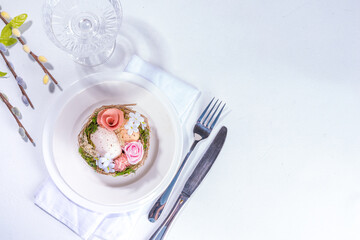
160, 232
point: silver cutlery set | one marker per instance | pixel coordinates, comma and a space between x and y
202, 130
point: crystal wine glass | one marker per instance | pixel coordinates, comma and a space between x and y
86, 29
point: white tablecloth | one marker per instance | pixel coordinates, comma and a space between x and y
289, 71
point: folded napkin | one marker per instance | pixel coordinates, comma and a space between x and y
88, 224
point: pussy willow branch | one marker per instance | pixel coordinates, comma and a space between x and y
15, 75
34, 56
9, 106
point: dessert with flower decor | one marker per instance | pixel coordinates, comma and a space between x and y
115, 140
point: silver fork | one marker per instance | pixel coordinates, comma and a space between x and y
202, 130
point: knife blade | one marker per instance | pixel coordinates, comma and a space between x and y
193, 181
205, 163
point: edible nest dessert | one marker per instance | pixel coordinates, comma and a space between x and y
115, 140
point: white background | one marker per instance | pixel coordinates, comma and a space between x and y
289, 71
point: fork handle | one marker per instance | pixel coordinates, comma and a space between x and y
159, 205
160, 232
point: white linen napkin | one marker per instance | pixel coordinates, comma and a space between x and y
88, 224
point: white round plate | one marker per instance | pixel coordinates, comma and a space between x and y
78, 181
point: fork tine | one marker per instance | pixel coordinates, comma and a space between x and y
208, 123
203, 123
217, 117
203, 113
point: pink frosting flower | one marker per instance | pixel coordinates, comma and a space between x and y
134, 152
111, 118
121, 163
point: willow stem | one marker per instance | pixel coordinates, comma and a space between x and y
34, 56
10, 107
15, 75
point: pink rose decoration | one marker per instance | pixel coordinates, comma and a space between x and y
121, 163
134, 152
111, 118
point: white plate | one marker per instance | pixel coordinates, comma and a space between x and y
81, 183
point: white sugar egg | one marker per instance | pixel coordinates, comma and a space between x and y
106, 141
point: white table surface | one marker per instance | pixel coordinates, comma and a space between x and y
289, 71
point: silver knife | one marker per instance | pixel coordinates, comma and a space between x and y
194, 181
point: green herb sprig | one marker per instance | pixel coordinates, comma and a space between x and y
89, 159
126, 171
91, 128
144, 136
